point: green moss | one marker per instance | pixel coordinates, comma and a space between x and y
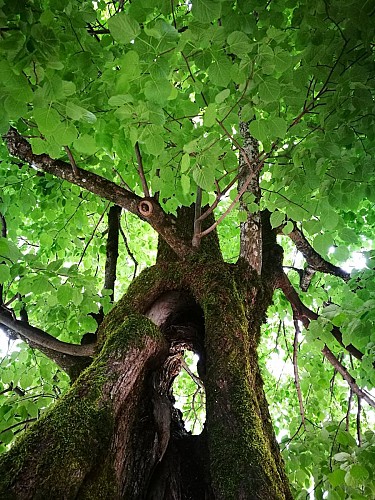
73, 438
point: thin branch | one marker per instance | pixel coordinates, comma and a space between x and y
296, 376
43, 339
195, 379
72, 160
346, 376
347, 416
92, 235
4, 235
131, 255
24, 422
305, 315
141, 171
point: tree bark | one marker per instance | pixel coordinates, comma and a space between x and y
116, 433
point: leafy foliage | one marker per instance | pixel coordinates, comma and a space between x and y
97, 78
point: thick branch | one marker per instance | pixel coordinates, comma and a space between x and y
251, 228
40, 338
304, 314
147, 209
112, 249
312, 257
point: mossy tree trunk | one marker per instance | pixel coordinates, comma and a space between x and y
116, 433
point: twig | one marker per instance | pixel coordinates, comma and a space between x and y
72, 161
296, 376
92, 235
347, 417
141, 170
346, 376
195, 379
131, 255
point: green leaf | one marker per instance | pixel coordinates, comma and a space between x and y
65, 294
221, 96
158, 91
78, 113
4, 273
259, 129
342, 457
277, 127
185, 162
85, 144
204, 177
9, 250
65, 133
88, 324
276, 219
154, 144
220, 72
209, 118
336, 478
206, 11
269, 90
185, 184
322, 243
123, 28
47, 120
288, 228
239, 43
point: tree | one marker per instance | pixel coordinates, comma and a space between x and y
234, 132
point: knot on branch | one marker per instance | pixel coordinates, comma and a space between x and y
145, 208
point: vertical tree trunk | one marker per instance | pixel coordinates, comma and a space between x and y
116, 434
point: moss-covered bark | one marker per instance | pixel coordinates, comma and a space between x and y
75, 451
116, 434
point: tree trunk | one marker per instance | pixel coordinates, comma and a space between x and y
116, 433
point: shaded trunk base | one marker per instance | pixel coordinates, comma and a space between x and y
116, 434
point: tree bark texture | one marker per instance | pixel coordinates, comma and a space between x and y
116, 434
